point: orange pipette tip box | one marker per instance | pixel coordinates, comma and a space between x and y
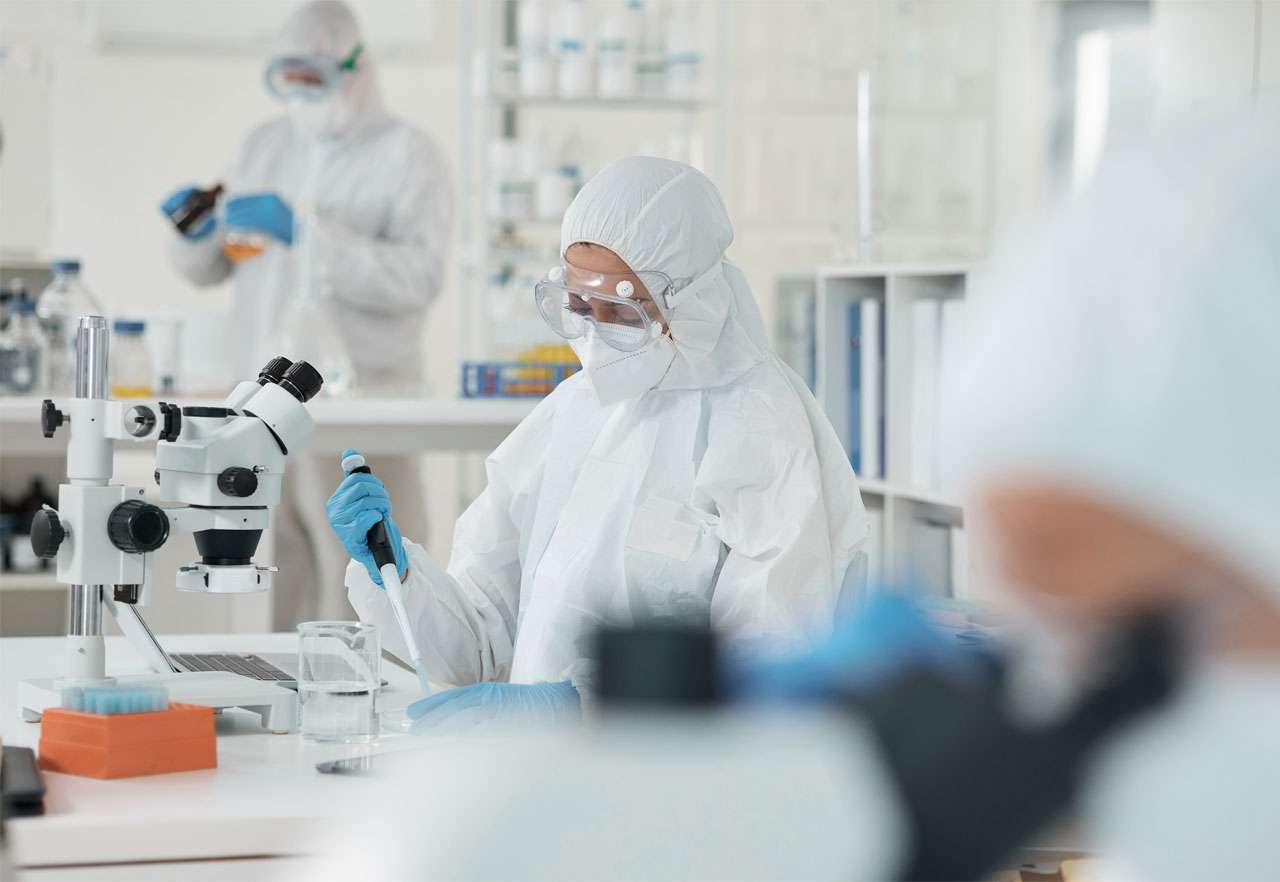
180, 739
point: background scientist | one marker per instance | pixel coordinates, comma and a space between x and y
373, 193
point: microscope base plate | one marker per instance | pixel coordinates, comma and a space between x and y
275, 705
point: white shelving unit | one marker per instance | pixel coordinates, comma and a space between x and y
897, 506
522, 248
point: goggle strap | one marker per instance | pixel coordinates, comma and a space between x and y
349, 63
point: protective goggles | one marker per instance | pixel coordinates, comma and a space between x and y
571, 300
310, 77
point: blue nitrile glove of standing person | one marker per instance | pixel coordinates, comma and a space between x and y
174, 202
264, 212
500, 703
361, 501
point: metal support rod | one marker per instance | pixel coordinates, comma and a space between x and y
84, 602
84, 611
92, 343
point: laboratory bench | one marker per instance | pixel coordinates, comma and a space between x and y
374, 425
263, 813
260, 812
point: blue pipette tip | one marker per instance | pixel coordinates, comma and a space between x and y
422, 683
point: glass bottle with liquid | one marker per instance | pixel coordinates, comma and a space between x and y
22, 350
59, 309
195, 209
130, 369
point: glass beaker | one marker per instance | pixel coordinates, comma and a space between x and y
242, 245
339, 666
306, 329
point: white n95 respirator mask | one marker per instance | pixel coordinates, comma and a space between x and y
616, 375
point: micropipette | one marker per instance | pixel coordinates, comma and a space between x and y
384, 556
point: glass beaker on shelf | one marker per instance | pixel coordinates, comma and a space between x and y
130, 361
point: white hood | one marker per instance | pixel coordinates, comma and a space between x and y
659, 215
1132, 348
329, 28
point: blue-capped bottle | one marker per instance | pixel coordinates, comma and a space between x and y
59, 309
131, 368
22, 350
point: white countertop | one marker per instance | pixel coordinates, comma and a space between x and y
264, 798
375, 425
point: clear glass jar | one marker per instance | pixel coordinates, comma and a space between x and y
130, 361
22, 351
242, 245
59, 309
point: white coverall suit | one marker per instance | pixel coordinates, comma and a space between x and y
373, 193
721, 495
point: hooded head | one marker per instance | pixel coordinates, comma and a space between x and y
327, 31
1127, 355
663, 216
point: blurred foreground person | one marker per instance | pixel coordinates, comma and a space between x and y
1120, 432
373, 195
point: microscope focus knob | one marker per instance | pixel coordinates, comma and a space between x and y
136, 527
238, 481
47, 533
171, 427
50, 418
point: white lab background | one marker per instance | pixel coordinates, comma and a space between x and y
981, 109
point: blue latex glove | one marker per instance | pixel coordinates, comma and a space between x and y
469, 706
361, 501
176, 198
264, 212
890, 636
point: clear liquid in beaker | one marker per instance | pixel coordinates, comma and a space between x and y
338, 711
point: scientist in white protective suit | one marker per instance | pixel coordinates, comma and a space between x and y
685, 475
369, 195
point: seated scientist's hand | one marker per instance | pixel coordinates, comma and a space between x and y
361, 501
264, 212
502, 703
174, 202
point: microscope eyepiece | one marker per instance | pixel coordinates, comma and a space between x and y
302, 381
274, 370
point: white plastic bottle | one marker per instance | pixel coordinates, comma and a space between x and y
571, 50
651, 60
616, 51
59, 309
684, 59
533, 30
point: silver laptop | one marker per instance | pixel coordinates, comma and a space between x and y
272, 667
